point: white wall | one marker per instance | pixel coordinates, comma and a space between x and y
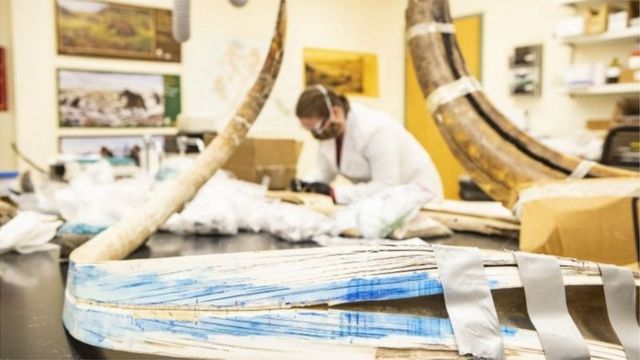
355, 25
7, 132
508, 24
374, 26
35, 62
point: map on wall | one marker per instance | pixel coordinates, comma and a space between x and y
227, 67
108, 99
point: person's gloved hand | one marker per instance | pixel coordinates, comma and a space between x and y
298, 185
319, 188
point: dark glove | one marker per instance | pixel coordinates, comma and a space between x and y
298, 185
319, 188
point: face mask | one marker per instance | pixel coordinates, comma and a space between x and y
327, 130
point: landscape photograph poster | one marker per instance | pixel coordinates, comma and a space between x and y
97, 28
108, 99
117, 149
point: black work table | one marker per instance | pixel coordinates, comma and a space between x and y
32, 290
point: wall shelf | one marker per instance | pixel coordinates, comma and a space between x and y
89, 132
628, 34
608, 89
584, 2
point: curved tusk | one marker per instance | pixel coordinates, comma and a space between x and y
497, 154
122, 238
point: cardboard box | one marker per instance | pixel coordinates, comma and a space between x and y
273, 160
595, 19
600, 124
594, 219
629, 75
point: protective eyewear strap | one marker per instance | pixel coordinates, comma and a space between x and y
327, 99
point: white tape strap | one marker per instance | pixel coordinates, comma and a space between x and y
582, 169
425, 28
547, 307
620, 296
468, 301
451, 91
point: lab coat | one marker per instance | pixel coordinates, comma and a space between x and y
377, 152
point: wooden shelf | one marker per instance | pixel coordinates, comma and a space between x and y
610, 89
627, 34
88, 132
585, 2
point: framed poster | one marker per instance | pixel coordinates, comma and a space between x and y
96, 28
111, 147
4, 105
109, 99
346, 72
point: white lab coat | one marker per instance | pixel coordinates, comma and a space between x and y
377, 152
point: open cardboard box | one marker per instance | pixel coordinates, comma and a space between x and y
593, 219
262, 159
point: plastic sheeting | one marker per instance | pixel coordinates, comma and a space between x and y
379, 215
219, 207
289, 222
225, 206
29, 232
95, 199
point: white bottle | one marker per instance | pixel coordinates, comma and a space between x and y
599, 74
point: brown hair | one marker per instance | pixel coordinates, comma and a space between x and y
311, 102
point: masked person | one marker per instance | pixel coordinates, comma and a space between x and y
364, 145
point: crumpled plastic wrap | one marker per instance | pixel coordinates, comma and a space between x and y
94, 200
225, 206
101, 204
29, 232
220, 207
379, 215
288, 222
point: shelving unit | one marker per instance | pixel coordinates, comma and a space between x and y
583, 2
608, 89
628, 34
89, 132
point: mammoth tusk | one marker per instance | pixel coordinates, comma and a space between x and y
124, 237
498, 155
356, 301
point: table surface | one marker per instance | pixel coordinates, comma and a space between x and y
32, 290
